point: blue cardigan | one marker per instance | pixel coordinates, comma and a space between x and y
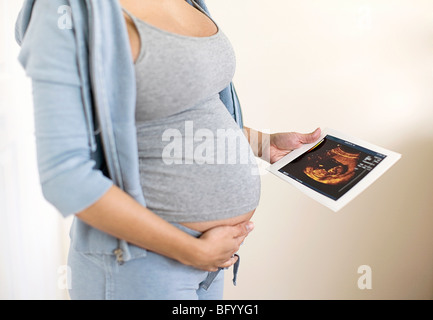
77, 54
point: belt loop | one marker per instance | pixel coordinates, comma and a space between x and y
209, 279
212, 275
236, 269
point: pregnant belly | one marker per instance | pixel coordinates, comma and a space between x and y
197, 168
206, 225
200, 196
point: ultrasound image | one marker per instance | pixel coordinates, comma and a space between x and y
333, 166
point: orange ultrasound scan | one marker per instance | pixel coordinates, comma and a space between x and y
337, 166
333, 166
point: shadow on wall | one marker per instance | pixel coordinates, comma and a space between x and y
402, 235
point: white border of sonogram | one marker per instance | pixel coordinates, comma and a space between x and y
364, 183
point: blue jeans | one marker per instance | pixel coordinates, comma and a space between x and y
153, 277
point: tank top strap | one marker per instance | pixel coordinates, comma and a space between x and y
195, 4
129, 14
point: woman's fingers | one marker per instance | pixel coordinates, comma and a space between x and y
309, 137
220, 244
243, 229
229, 262
242, 232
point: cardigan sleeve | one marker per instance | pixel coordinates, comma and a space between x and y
68, 177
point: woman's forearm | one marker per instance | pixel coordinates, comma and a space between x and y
259, 142
119, 215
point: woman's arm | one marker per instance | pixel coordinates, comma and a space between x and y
118, 214
259, 142
272, 147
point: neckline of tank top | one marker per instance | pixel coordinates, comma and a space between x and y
173, 34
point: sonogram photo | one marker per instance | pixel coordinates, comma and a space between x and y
333, 166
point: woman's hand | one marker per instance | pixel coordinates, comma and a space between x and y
272, 147
281, 144
218, 245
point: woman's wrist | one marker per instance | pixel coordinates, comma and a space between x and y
195, 254
260, 143
188, 252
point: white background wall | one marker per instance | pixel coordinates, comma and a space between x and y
362, 67
32, 235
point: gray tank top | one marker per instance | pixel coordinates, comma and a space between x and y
195, 162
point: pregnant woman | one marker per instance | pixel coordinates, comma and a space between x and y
136, 118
